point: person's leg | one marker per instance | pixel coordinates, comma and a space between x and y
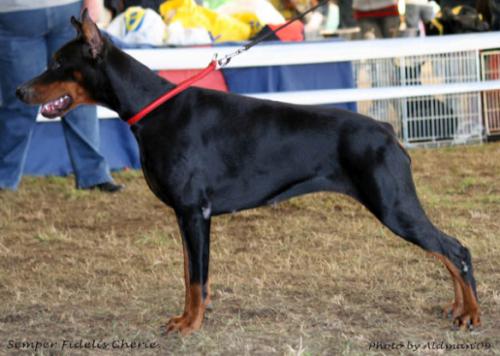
81, 131
80, 126
415, 14
426, 13
412, 16
495, 15
23, 53
346, 14
390, 26
370, 29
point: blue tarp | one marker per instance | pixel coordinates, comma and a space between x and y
291, 78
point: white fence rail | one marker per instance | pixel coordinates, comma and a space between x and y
317, 52
431, 89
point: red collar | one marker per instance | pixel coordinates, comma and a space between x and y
169, 94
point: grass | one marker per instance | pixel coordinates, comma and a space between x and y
316, 275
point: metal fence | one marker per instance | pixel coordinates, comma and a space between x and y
430, 119
490, 63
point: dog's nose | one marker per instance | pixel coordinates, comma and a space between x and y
21, 92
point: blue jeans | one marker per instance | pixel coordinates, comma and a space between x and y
27, 40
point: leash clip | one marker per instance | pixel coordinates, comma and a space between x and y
218, 62
224, 61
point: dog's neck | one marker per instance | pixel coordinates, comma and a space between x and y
130, 85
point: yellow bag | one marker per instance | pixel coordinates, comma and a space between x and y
255, 13
251, 20
222, 28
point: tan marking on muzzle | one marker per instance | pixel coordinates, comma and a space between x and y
43, 93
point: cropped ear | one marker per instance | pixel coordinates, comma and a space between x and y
77, 25
91, 35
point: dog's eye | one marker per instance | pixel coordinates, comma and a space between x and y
55, 65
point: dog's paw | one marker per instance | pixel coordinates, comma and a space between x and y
184, 324
468, 320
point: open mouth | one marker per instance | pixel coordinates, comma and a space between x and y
56, 107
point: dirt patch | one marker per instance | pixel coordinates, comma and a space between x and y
314, 275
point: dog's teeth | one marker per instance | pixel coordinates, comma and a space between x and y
59, 102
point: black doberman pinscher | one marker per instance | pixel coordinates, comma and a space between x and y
206, 153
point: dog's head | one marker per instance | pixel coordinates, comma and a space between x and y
71, 74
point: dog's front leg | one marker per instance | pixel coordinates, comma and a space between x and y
195, 231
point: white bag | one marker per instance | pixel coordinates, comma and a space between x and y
181, 36
139, 26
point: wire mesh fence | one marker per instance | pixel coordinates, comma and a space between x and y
448, 118
452, 118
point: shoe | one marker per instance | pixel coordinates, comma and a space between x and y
107, 187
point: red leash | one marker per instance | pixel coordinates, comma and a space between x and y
214, 65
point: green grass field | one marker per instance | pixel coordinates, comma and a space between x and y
316, 275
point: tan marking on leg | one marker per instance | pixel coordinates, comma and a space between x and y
470, 311
456, 307
176, 319
208, 299
194, 307
193, 317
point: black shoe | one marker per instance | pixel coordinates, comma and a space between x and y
107, 187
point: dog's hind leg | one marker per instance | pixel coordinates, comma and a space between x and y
385, 186
456, 308
195, 231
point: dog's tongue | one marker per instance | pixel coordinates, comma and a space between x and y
55, 107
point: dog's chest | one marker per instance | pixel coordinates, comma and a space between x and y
154, 185
152, 165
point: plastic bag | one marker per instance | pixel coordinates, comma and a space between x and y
221, 27
139, 26
255, 13
181, 36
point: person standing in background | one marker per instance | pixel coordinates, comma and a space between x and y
490, 10
377, 18
495, 15
346, 19
30, 32
417, 10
